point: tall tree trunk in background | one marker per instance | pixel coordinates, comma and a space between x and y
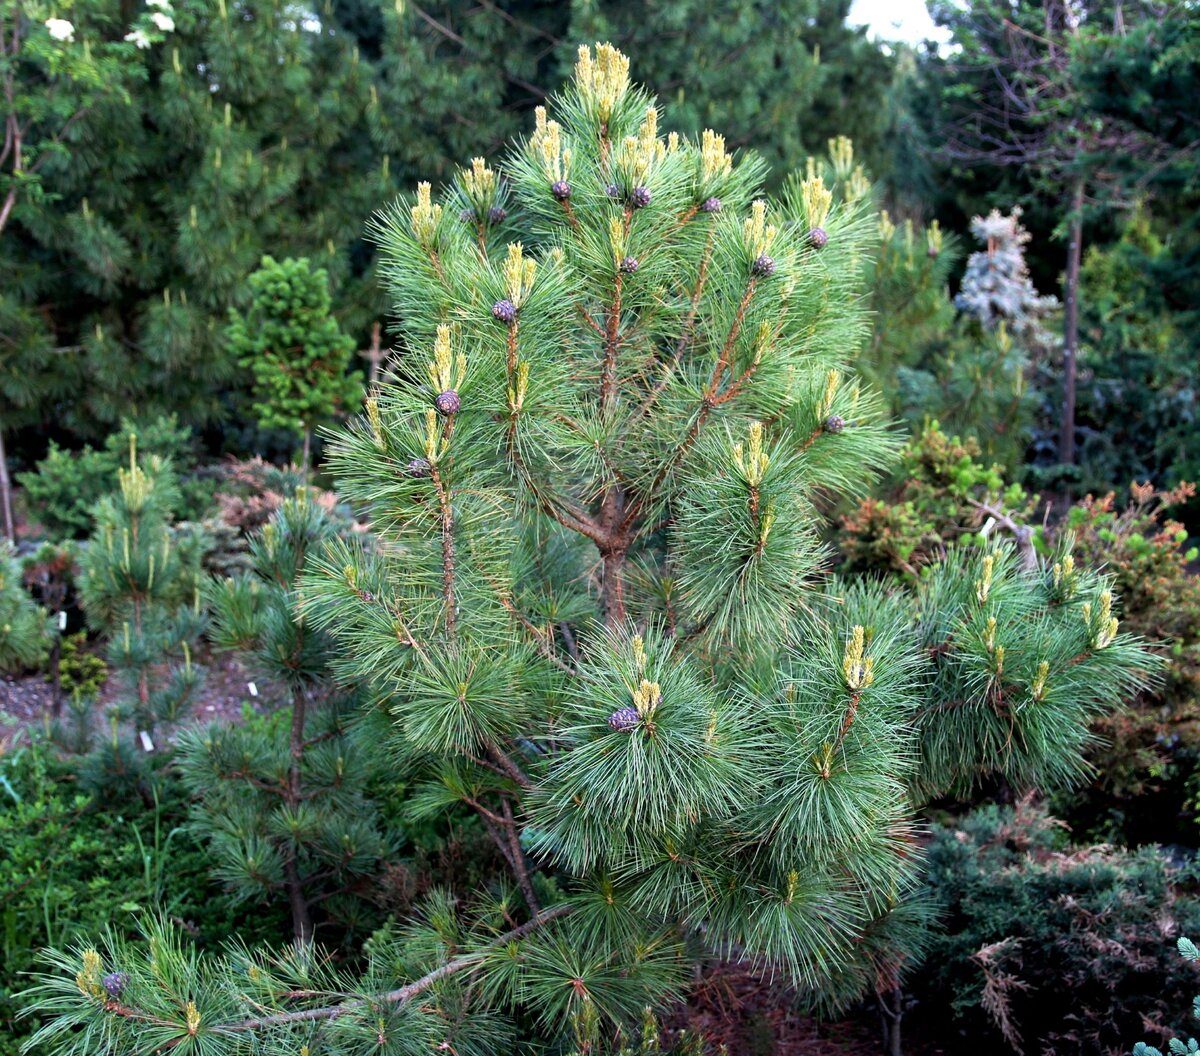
1066, 436
6, 497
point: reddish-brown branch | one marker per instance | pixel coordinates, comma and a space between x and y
508, 766
520, 867
448, 556
608, 376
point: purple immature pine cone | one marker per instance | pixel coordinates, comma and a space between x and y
447, 402
418, 468
613, 191
624, 720
629, 265
639, 197
561, 190
504, 310
835, 423
817, 238
932, 252
114, 983
764, 265
467, 216
497, 214
711, 205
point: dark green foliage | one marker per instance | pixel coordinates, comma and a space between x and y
65, 486
1188, 951
1047, 946
294, 348
73, 864
179, 190
1138, 400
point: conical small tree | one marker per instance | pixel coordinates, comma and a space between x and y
297, 352
284, 808
594, 614
996, 288
140, 589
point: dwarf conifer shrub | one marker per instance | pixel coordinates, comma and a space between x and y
25, 633
294, 347
593, 614
283, 807
140, 588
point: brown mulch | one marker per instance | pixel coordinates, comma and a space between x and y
743, 1013
224, 695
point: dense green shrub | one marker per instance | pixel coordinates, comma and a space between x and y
1046, 946
1149, 750
72, 865
1189, 952
940, 497
24, 627
82, 671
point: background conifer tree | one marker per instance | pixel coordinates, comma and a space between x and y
594, 617
284, 808
295, 349
53, 72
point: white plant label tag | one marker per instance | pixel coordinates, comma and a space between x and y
62, 620
147, 744
253, 689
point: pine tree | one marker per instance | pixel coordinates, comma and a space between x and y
594, 616
295, 349
140, 589
284, 808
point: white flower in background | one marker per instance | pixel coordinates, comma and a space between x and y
164, 4
138, 37
61, 29
164, 22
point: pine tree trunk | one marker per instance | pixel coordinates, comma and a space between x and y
6, 497
1066, 437
613, 589
301, 917
613, 551
891, 1012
